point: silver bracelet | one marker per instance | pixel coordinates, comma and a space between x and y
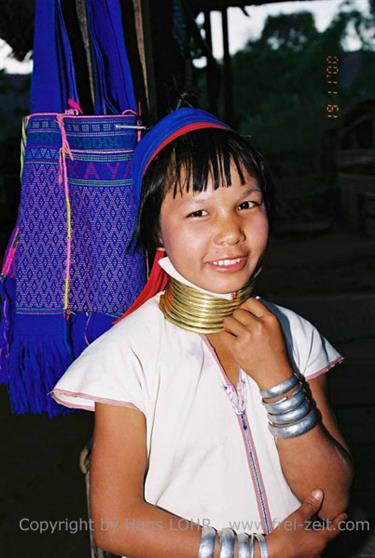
262, 545
287, 403
292, 416
207, 545
279, 389
243, 541
252, 548
297, 428
227, 539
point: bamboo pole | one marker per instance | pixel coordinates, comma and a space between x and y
144, 41
227, 71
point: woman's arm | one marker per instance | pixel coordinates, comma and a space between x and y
125, 524
319, 457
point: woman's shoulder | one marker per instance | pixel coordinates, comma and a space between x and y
137, 332
116, 366
142, 320
311, 352
289, 318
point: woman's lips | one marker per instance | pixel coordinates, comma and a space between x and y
229, 268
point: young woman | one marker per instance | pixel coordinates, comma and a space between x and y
213, 433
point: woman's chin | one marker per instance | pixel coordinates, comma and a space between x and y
225, 283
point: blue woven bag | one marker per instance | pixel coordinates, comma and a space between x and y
71, 267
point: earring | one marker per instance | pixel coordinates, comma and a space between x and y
161, 248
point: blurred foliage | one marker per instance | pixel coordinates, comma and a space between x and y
281, 91
291, 31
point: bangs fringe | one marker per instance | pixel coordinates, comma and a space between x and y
199, 156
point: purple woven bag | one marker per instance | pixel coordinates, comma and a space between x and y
71, 266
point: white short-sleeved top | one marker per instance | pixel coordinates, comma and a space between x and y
212, 459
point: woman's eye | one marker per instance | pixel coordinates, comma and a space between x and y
197, 213
248, 204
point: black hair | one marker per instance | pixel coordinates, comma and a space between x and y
200, 154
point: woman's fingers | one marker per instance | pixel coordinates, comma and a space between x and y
301, 535
335, 527
311, 504
235, 326
257, 308
226, 338
245, 317
339, 518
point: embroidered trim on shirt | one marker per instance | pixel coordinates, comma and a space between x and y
239, 398
63, 392
330, 365
256, 474
239, 401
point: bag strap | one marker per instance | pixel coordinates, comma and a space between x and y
111, 68
53, 79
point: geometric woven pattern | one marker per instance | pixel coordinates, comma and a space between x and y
101, 133
42, 221
105, 276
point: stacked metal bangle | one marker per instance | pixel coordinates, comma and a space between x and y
289, 416
207, 545
246, 545
227, 536
262, 545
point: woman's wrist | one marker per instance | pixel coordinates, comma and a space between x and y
276, 546
227, 542
276, 376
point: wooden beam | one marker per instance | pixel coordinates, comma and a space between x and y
212, 73
202, 43
82, 20
218, 5
227, 71
143, 30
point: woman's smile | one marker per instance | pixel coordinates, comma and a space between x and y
228, 265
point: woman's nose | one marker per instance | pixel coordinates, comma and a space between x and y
229, 230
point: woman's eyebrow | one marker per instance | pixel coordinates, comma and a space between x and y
251, 190
200, 199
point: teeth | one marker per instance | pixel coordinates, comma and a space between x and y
227, 262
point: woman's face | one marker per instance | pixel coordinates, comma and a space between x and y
215, 238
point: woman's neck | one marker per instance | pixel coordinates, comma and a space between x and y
168, 266
195, 309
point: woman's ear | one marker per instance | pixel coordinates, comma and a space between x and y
160, 243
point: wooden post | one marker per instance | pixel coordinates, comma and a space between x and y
82, 20
143, 30
212, 75
227, 74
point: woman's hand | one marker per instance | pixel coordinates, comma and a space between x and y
295, 538
253, 336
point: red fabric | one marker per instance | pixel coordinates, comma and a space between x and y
156, 282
